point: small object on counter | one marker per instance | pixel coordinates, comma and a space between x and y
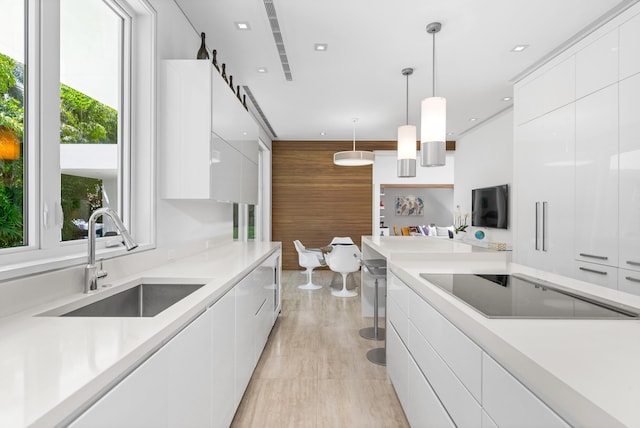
231, 82
499, 246
238, 93
244, 102
479, 234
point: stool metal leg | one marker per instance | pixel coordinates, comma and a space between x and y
374, 333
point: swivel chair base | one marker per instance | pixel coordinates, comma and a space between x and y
343, 293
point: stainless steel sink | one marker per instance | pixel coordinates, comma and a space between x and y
144, 300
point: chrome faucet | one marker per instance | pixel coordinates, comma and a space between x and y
91, 271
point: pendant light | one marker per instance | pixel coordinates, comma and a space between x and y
407, 140
353, 157
433, 123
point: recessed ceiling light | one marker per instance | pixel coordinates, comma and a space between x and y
519, 48
321, 47
449, 134
506, 99
323, 133
242, 25
262, 70
473, 119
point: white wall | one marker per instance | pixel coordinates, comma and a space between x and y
184, 221
385, 172
484, 157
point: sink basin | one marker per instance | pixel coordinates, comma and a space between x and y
144, 300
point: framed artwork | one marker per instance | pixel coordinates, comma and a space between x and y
409, 205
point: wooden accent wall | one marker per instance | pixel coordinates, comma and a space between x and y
314, 200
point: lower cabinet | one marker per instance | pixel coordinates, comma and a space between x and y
511, 404
443, 379
629, 281
199, 376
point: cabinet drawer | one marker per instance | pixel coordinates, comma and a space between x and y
397, 359
511, 404
460, 404
629, 281
424, 408
462, 355
398, 290
594, 273
397, 319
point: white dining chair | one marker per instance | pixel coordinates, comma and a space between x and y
309, 259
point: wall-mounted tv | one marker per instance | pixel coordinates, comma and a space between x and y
490, 207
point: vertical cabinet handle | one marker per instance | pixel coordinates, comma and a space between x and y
537, 210
544, 226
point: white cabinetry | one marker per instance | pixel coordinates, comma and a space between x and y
597, 64
139, 401
510, 404
198, 378
629, 281
551, 90
223, 360
544, 168
444, 379
208, 141
171, 388
629, 170
630, 47
596, 194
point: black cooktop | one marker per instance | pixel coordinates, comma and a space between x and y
522, 296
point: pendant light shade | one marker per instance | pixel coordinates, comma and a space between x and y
353, 157
433, 123
407, 140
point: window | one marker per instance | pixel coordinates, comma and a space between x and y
91, 100
13, 218
66, 98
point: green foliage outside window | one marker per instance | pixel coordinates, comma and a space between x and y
11, 171
83, 120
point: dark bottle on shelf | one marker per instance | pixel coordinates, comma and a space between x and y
224, 73
231, 82
244, 102
238, 93
214, 54
202, 52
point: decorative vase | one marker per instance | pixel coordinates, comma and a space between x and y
460, 235
202, 52
214, 54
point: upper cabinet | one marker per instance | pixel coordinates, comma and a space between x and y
629, 170
208, 140
597, 64
551, 90
630, 47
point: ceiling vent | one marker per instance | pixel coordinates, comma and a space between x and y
259, 110
277, 37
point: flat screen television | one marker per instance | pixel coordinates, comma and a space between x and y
490, 207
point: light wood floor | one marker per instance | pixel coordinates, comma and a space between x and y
314, 371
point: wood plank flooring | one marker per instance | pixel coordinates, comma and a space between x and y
314, 371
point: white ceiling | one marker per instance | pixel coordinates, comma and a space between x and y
370, 42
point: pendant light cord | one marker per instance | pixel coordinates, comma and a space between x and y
354, 133
433, 62
407, 111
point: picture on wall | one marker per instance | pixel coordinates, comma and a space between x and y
409, 205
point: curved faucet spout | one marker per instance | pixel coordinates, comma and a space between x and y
92, 274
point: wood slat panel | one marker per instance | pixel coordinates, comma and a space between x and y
314, 200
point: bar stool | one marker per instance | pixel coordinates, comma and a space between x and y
377, 268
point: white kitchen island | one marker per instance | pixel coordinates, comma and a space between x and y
505, 372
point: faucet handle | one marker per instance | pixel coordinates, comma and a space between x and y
101, 273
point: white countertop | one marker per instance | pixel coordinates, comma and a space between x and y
51, 366
588, 371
